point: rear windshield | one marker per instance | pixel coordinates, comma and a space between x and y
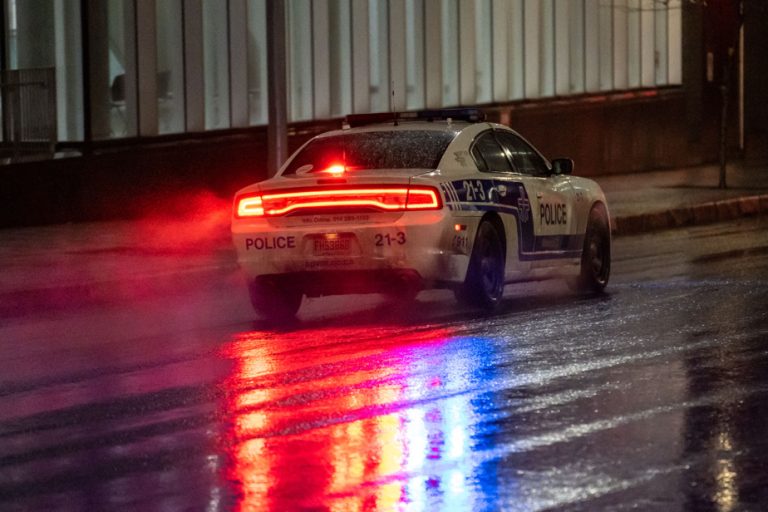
411, 149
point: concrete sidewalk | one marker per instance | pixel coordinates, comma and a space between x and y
652, 201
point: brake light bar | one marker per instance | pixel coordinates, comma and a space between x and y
377, 197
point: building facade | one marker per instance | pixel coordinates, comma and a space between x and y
151, 98
147, 68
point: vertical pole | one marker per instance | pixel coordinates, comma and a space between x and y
741, 89
276, 53
724, 125
238, 64
361, 62
194, 71
85, 28
3, 38
96, 72
3, 72
146, 67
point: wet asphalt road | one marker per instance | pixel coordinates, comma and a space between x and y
651, 397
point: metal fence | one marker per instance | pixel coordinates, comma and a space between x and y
28, 112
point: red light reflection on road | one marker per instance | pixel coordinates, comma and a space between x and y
349, 419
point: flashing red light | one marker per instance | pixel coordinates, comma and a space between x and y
382, 198
335, 170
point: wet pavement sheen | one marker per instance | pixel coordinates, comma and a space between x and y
652, 397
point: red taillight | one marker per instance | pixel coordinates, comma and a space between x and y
250, 206
423, 198
380, 198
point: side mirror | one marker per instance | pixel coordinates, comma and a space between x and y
562, 166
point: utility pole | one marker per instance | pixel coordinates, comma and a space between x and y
277, 130
729, 17
724, 92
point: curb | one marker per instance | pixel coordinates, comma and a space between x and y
692, 215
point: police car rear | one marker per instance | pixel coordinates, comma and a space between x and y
352, 211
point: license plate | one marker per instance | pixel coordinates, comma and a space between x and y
325, 246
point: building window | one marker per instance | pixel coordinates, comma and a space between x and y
620, 48
121, 69
450, 52
532, 45
170, 67
591, 45
414, 54
216, 64
661, 53
576, 42
605, 42
633, 43
340, 24
48, 35
562, 46
647, 43
257, 62
675, 42
547, 47
516, 45
483, 52
378, 27
300, 60
170, 60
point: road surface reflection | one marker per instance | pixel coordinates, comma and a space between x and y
391, 428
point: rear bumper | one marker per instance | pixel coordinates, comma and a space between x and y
416, 243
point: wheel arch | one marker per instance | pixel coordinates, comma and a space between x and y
601, 206
495, 219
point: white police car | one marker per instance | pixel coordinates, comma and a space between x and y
427, 200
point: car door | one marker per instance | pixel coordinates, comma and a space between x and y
504, 191
551, 199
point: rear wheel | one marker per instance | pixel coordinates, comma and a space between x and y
274, 301
596, 255
484, 284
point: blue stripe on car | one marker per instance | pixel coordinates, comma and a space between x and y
483, 195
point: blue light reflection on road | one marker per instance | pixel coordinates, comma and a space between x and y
390, 426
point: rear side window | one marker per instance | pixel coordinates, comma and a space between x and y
408, 149
525, 159
488, 154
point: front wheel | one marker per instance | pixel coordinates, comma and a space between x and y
596, 255
484, 284
273, 301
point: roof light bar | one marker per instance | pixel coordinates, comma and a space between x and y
470, 115
354, 120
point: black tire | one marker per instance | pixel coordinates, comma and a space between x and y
596, 254
273, 301
484, 285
